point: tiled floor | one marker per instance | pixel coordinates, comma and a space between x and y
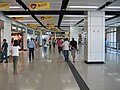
100, 76
49, 73
52, 73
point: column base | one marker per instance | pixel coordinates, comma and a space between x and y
94, 62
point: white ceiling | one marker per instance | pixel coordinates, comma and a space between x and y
56, 5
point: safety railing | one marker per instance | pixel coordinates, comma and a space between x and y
113, 47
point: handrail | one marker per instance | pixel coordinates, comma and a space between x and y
113, 45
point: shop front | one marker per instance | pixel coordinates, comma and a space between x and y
17, 34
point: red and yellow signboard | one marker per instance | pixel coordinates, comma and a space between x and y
39, 6
46, 17
32, 25
50, 25
4, 6
38, 28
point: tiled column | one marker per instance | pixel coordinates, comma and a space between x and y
94, 48
40, 38
25, 39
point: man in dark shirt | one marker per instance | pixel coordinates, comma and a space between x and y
4, 51
73, 46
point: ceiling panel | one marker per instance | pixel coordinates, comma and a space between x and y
55, 4
86, 2
67, 20
96, 3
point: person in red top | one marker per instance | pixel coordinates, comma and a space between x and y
59, 45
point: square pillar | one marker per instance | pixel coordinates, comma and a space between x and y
94, 48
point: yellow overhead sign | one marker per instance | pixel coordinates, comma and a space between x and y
4, 6
50, 25
17, 18
46, 17
32, 25
38, 28
39, 6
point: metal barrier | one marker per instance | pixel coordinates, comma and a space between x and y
113, 46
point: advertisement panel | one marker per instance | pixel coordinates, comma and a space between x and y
39, 5
4, 6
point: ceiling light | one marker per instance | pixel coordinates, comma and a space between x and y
109, 16
68, 23
70, 20
82, 6
113, 7
14, 27
30, 22
19, 15
14, 7
19, 29
74, 15
26, 20
94, 7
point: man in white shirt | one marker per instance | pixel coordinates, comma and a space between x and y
66, 49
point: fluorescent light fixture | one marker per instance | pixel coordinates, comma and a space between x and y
15, 7
94, 7
30, 22
70, 20
74, 15
82, 6
109, 16
23, 29
68, 23
19, 15
113, 7
13, 27
80, 16
19, 29
26, 21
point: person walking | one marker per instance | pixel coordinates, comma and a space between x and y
106, 45
31, 46
50, 43
59, 42
15, 54
4, 51
73, 46
45, 47
54, 42
65, 46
